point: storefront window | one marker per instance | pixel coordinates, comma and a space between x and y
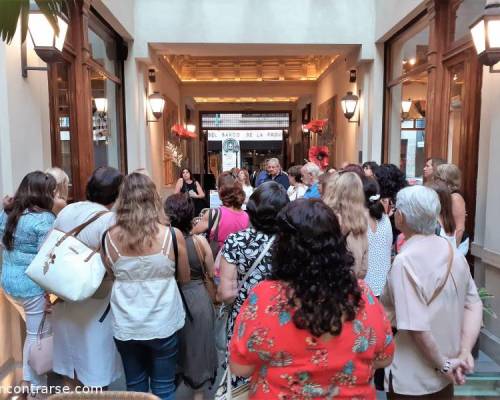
407, 100
467, 12
105, 122
456, 113
410, 51
61, 95
106, 88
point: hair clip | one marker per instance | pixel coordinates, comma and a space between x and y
374, 198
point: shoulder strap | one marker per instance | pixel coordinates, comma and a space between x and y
76, 230
176, 254
450, 263
257, 262
213, 219
105, 253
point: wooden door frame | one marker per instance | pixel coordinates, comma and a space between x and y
77, 53
443, 52
469, 150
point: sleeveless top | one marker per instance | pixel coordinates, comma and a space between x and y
194, 262
186, 187
145, 300
230, 221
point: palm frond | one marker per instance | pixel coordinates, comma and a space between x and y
12, 10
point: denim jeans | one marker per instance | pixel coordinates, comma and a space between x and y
150, 363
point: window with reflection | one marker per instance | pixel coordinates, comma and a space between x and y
409, 51
106, 86
62, 124
406, 85
466, 13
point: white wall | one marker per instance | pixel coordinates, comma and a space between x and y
25, 117
253, 21
487, 235
392, 15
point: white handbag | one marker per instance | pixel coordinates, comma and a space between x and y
67, 267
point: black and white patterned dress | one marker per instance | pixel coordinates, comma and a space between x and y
242, 249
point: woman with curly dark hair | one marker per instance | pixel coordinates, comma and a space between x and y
312, 330
197, 357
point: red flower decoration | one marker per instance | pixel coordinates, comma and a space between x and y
182, 132
316, 125
319, 156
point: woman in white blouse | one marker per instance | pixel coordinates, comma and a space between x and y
146, 306
84, 351
297, 189
244, 180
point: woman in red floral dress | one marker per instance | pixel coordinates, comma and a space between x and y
312, 331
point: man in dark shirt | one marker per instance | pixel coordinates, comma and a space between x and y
274, 173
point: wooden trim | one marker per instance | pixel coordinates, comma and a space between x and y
100, 69
409, 75
487, 256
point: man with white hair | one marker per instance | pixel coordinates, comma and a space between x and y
274, 173
310, 177
432, 300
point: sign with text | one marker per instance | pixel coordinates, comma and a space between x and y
230, 154
258, 135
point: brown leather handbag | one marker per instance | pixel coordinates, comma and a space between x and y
207, 279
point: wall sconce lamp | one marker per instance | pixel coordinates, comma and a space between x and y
157, 104
485, 33
190, 127
305, 131
47, 44
405, 108
349, 103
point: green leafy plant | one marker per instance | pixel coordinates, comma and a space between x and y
484, 295
13, 10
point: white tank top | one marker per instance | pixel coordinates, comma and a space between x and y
145, 300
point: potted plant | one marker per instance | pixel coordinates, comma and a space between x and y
485, 296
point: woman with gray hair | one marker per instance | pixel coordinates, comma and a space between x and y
433, 302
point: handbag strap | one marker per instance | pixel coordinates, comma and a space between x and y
257, 262
176, 254
77, 229
441, 287
213, 220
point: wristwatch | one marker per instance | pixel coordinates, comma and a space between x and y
445, 368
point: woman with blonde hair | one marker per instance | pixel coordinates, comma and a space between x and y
146, 257
244, 180
62, 188
343, 192
450, 174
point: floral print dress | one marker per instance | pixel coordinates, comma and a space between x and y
242, 249
292, 364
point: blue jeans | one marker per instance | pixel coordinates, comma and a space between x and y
150, 363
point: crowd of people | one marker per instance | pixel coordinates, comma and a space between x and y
311, 283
